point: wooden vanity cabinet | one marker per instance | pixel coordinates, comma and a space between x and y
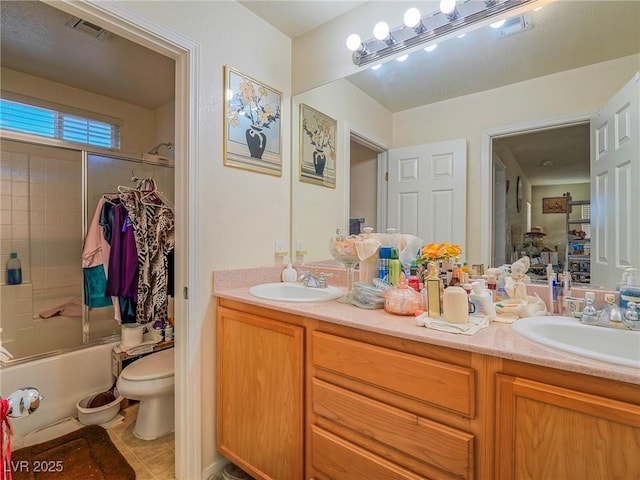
382, 411
551, 424
299, 398
260, 398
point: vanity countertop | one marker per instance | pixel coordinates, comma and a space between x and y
498, 339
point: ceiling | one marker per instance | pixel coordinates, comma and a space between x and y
565, 35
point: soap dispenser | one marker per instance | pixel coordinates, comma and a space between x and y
289, 274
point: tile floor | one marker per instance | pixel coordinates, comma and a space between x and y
151, 459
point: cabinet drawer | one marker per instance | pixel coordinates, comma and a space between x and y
438, 446
341, 460
438, 383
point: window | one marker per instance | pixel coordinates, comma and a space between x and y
44, 122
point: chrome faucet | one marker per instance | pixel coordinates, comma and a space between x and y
308, 279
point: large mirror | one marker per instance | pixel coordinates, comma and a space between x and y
507, 95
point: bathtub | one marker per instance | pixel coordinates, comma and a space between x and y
62, 380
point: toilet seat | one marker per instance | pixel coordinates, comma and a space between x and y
152, 367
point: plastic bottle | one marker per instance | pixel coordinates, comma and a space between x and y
631, 291
394, 267
384, 254
289, 274
483, 301
14, 270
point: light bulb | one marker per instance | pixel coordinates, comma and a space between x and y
412, 17
431, 48
497, 24
461, 35
353, 42
376, 67
402, 58
447, 6
381, 30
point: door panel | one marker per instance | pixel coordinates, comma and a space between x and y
615, 170
427, 191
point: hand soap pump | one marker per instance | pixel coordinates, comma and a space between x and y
289, 274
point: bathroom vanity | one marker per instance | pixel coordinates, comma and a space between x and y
329, 391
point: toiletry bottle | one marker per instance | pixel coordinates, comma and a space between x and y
455, 277
14, 270
394, 267
492, 285
483, 301
289, 274
631, 291
168, 332
625, 275
589, 313
384, 254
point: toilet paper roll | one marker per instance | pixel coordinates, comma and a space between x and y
130, 335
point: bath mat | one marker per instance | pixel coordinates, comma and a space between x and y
86, 454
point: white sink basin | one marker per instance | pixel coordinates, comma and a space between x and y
621, 347
294, 292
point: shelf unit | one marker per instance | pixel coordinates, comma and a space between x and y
577, 261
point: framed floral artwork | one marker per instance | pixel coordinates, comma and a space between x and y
317, 147
252, 130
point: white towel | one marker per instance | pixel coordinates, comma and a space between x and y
475, 324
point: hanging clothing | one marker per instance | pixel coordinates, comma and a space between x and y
123, 261
154, 229
95, 255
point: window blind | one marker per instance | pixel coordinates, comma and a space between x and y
44, 122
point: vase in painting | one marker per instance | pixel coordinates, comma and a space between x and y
256, 141
319, 162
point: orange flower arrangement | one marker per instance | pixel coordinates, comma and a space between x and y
439, 251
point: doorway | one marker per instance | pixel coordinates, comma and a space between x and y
129, 24
543, 164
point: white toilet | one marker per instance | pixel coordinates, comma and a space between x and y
150, 380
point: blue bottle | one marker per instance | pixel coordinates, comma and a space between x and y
14, 270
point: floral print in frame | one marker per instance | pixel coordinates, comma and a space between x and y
252, 130
317, 147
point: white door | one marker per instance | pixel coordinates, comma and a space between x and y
615, 186
427, 191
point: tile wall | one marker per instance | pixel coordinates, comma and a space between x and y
41, 220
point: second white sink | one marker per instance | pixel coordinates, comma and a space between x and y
621, 347
294, 292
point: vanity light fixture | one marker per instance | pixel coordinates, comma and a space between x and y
418, 29
448, 7
381, 32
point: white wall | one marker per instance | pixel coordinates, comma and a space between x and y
317, 211
138, 122
242, 213
566, 93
